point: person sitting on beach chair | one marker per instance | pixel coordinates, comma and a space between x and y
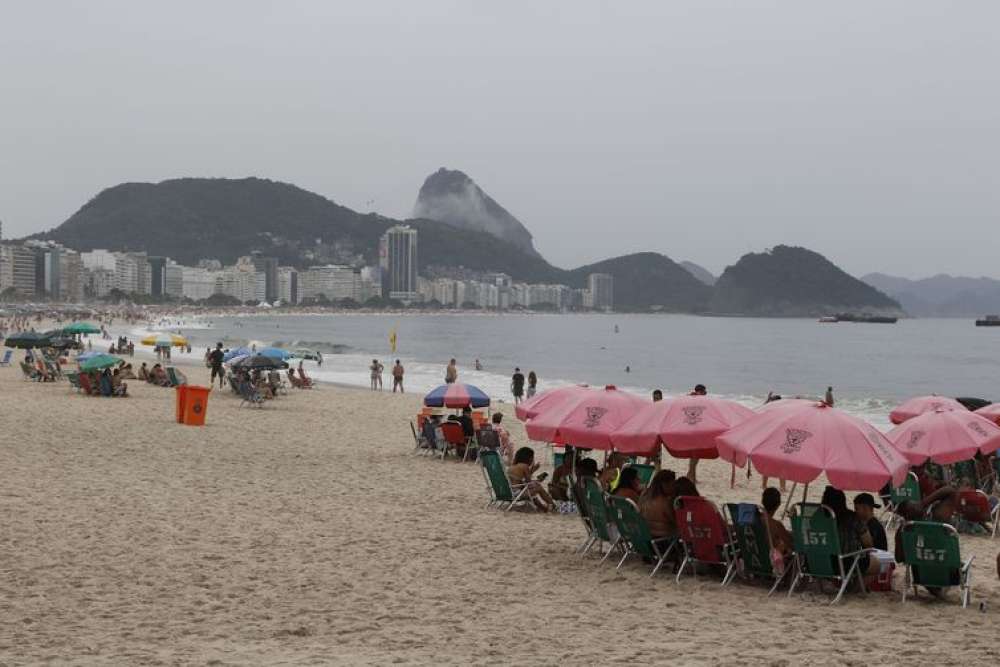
118, 386
307, 382
657, 505
522, 472
159, 377
562, 476
294, 381
609, 474
629, 484
781, 539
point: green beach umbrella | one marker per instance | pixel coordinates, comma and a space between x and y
81, 328
26, 340
100, 362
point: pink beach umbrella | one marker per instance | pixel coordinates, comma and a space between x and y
783, 403
991, 412
921, 404
547, 400
945, 436
803, 442
586, 420
686, 425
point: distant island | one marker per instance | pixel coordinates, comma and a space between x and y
193, 219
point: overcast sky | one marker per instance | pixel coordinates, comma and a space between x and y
864, 130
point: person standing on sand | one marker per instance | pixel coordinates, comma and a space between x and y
373, 370
379, 378
451, 373
397, 377
828, 399
215, 362
517, 385
532, 384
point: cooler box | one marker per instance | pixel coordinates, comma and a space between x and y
195, 404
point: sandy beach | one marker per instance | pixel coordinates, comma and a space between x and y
307, 533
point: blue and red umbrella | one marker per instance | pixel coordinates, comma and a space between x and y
456, 396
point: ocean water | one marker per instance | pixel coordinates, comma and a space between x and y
872, 367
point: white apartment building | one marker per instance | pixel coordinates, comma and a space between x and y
332, 281
197, 283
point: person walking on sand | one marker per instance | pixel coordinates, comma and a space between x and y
451, 373
397, 377
517, 385
215, 363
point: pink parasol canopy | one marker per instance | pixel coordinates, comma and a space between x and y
991, 412
945, 436
921, 404
686, 425
547, 400
586, 420
800, 443
783, 403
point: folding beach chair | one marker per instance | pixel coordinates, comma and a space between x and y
974, 506
818, 552
636, 537
910, 490
645, 471
174, 377
934, 560
704, 536
487, 438
605, 532
502, 492
250, 396
454, 438
6, 358
753, 541
74, 380
580, 498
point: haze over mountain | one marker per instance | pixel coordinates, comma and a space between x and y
189, 219
941, 295
794, 282
451, 196
699, 272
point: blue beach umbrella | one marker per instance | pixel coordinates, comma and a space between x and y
275, 352
237, 352
83, 356
456, 396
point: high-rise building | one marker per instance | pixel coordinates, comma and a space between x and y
100, 282
17, 270
197, 283
269, 267
173, 280
601, 287
288, 285
399, 260
332, 281
157, 275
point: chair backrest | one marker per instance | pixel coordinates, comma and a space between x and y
964, 472
816, 539
932, 551
558, 458
701, 528
453, 433
490, 460
487, 438
645, 470
600, 517
632, 526
752, 537
580, 498
910, 490
172, 375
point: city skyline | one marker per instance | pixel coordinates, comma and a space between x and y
696, 131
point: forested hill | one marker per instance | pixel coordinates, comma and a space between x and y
792, 282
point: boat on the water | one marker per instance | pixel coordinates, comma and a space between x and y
855, 317
989, 321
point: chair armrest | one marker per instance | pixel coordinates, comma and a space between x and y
967, 564
859, 552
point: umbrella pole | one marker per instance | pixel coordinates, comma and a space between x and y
732, 475
805, 492
788, 502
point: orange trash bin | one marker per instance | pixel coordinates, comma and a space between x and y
196, 405
180, 402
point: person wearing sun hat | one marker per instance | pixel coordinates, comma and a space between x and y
864, 508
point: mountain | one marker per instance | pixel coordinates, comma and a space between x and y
452, 197
649, 281
941, 295
699, 272
794, 282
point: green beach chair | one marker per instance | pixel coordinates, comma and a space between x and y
818, 553
910, 490
601, 519
636, 538
503, 494
934, 560
580, 498
753, 541
74, 380
645, 471
175, 379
